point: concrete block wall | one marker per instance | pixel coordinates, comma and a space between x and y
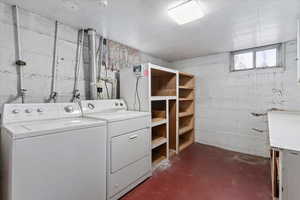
37, 39
225, 100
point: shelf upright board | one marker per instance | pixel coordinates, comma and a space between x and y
177, 112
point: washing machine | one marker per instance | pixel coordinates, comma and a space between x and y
50, 152
129, 144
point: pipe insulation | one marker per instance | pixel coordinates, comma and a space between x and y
93, 63
20, 63
53, 94
79, 54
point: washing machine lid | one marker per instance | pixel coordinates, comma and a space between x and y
51, 126
118, 116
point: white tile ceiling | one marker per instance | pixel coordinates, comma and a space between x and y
145, 25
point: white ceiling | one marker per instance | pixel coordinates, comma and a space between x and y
144, 24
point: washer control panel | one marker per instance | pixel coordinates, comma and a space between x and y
42, 111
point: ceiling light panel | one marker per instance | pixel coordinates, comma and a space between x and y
186, 12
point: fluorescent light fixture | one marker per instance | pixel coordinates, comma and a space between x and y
186, 12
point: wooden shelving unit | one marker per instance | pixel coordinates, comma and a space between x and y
186, 132
164, 101
169, 95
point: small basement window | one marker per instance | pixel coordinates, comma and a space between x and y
256, 58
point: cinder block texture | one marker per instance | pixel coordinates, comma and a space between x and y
225, 100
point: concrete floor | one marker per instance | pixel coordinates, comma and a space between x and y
207, 173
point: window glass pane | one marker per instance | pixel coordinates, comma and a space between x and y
266, 58
243, 61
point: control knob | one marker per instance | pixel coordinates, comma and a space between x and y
91, 106
40, 110
28, 110
15, 111
69, 109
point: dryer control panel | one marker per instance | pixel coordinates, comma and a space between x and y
91, 106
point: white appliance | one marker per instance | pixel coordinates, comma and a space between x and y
129, 145
49, 151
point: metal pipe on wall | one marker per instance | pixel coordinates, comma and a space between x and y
80, 46
100, 57
20, 63
93, 63
53, 94
298, 50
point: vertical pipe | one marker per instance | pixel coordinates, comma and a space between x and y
76, 94
118, 85
298, 50
93, 64
19, 62
53, 93
100, 58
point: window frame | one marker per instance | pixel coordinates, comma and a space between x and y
278, 47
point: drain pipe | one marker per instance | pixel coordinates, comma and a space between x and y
20, 63
93, 63
53, 94
76, 93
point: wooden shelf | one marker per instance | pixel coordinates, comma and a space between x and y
163, 83
185, 114
159, 154
157, 160
158, 142
185, 129
162, 98
182, 87
186, 99
165, 92
186, 74
158, 121
186, 107
185, 144
186, 140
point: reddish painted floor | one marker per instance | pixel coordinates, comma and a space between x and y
207, 173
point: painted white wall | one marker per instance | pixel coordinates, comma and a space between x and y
225, 100
37, 38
